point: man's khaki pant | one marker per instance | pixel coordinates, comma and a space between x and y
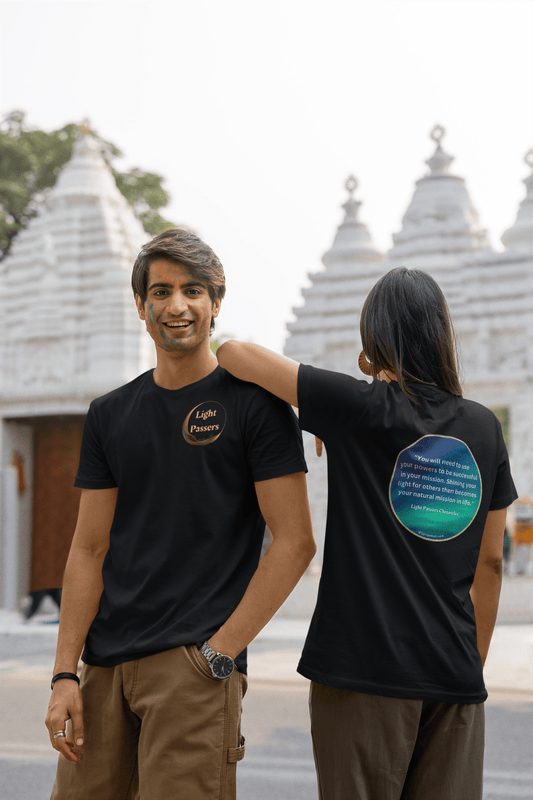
383, 748
157, 728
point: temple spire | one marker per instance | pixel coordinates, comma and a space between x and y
441, 217
79, 335
520, 236
439, 163
329, 316
352, 241
86, 174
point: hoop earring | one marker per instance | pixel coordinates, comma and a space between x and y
364, 365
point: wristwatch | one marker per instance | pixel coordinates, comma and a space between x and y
221, 666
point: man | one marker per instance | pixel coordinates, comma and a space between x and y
162, 588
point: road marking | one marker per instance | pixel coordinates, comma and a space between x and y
264, 773
505, 790
22, 751
293, 763
508, 776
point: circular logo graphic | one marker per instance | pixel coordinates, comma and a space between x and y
205, 423
435, 489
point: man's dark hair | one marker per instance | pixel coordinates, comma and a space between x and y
181, 247
406, 328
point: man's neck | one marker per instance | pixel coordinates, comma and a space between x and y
175, 371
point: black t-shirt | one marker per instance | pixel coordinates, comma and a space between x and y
409, 488
187, 531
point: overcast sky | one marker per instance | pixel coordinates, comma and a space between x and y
257, 112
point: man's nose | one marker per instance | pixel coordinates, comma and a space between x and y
177, 303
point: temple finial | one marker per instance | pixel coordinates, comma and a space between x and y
85, 126
351, 184
437, 133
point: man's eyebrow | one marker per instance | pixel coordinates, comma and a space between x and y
188, 285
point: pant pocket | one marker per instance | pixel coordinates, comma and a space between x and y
199, 661
234, 744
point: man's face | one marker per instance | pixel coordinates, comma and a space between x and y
178, 309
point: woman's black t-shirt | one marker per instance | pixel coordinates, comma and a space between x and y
187, 531
409, 488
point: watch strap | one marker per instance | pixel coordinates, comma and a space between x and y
208, 652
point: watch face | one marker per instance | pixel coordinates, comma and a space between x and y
222, 666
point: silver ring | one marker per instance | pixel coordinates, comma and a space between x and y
59, 734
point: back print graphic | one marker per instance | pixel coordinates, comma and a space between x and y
435, 489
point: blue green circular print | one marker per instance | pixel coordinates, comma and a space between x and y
435, 489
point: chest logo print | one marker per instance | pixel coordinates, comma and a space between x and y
205, 423
435, 489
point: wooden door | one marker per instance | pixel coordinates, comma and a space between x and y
55, 500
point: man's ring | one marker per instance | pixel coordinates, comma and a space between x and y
59, 734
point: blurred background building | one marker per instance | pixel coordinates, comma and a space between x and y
71, 333
490, 294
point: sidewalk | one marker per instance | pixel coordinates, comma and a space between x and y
509, 665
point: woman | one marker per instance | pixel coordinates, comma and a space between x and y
418, 485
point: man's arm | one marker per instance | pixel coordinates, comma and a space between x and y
82, 589
485, 591
255, 364
285, 508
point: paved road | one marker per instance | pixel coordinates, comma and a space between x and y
278, 763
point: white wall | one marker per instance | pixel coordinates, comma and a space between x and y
15, 513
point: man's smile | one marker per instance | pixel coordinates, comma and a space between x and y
181, 323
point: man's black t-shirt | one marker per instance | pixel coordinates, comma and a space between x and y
187, 531
409, 488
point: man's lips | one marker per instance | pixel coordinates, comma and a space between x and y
177, 324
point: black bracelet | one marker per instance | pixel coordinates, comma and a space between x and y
60, 675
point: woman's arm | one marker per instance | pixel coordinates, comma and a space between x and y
485, 591
255, 364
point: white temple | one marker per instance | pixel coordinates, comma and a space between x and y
70, 332
490, 295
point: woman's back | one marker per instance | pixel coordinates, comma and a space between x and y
409, 489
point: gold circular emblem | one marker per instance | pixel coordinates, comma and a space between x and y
205, 423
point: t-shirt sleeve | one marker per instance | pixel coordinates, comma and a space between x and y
329, 399
504, 492
93, 469
272, 438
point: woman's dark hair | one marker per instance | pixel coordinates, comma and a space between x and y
182, 247
406, 328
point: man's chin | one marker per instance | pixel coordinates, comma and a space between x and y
179, 347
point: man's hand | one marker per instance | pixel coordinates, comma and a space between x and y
66, 704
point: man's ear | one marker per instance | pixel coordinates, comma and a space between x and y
140, 307
216, 306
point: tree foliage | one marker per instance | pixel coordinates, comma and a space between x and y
30, 161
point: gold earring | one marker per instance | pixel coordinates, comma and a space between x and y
364, 365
